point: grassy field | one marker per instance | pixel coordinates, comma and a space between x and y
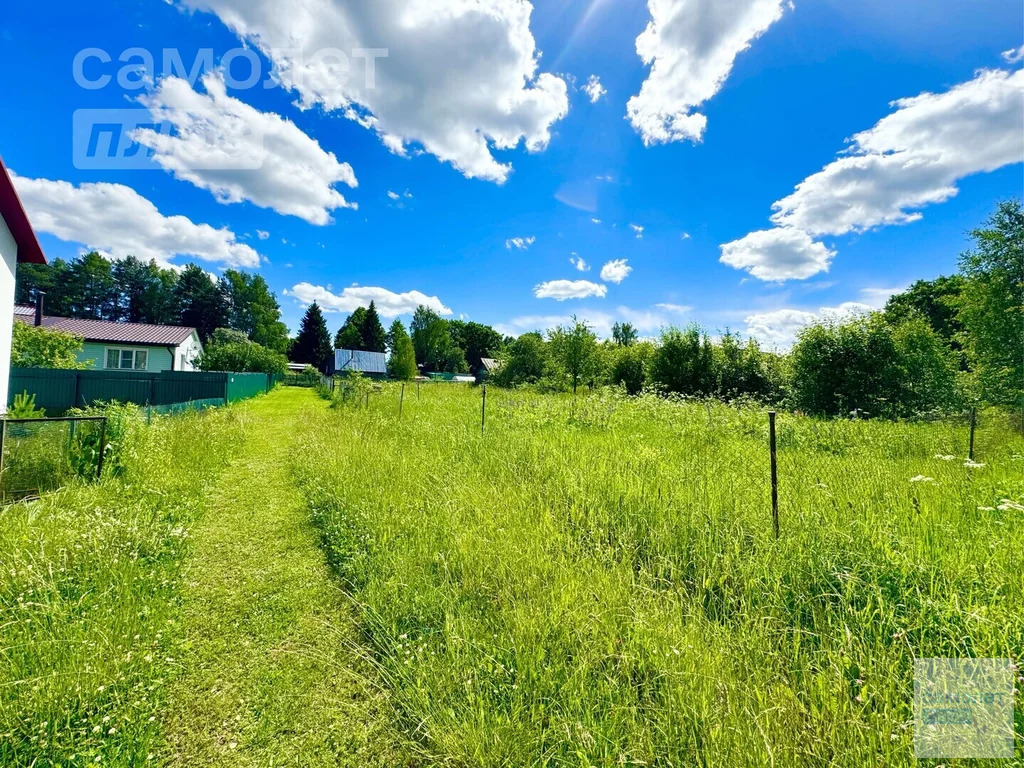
596, 582
88, 587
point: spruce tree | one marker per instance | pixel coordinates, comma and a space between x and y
372, 332
313, 344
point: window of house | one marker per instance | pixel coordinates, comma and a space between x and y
127, 359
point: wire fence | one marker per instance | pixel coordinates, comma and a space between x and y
794, 467
39, 455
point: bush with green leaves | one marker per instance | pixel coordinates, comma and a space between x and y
232, 351
873, 367
40, 347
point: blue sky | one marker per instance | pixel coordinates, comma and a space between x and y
782, 91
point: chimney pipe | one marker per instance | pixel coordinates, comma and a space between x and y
40, 297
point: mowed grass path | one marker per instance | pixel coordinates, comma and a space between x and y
272, 674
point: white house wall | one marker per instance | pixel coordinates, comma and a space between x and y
8, 269
187, 353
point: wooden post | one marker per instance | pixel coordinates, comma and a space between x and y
775, 472
401, 402
483, 413
974, 424
103, 448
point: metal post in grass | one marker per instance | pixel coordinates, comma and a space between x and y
103, 448
401, 402
483, 413
775, 471
974, 424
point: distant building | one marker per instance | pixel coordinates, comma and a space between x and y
18, 245
372, 364
488, 367
125, 346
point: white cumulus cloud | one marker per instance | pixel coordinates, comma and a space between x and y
783, 253
457, 78
911, 158
691, 46
616, 271
118, 221
594, 89
388, 303
560, 290
238, 153
780, 327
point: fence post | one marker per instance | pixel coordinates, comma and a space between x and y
401, 402
974, 424
775, 472
103, 448
483, 413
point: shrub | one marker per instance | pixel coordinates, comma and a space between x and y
38, 347
232, 351
873, 367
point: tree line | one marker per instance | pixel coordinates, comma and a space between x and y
92, 287
937, 346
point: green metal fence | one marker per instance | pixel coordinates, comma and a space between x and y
57, 391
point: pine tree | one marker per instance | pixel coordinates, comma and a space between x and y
372, 332
402, 363
313, 344
202, 301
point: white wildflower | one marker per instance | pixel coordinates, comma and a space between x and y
973, 464
940, 457
922, 479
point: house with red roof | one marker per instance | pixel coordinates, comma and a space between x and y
18, 244
124, 346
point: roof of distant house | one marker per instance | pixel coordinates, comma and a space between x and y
13, 213
114, 333
490, 364
357, 360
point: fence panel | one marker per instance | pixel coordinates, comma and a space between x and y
54, 390
57, 391
106, 386
245, 385
183, 387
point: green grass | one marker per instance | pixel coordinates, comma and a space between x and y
273, 674
596, 582
88, 579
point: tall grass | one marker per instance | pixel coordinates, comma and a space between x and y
596, 582
87, 589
